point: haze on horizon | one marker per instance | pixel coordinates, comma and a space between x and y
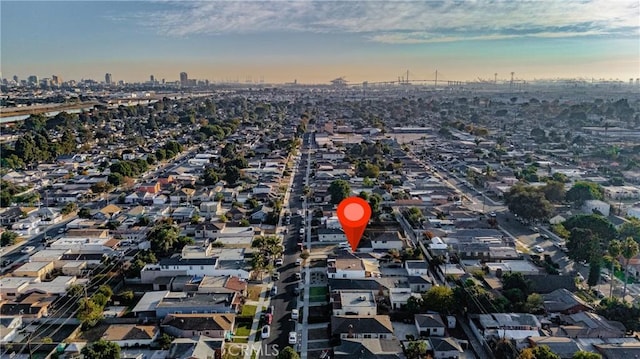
315, 42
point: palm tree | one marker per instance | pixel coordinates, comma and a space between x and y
629, 250
615, 247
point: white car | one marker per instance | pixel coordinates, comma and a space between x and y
538, 249
298, 261
294, 314
279, 262
266, 332
293, 338
28, 249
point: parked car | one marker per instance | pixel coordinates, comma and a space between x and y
266, 332
275, 276
28, 249
268, 319
297, 276
538, 249
299, 261
293, 338
274, 290
279, 262
294, 314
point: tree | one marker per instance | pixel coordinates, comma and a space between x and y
339, 190
165, 341
288, 353
232, 174
554, 191
628, 249
68, 208
84, 212
89, 312
101, 349
583, 191
586, 355
210, 177
623, 312
538, 352
304, 255
8, 238
615, 248
416, 349
599, 225
630, 229
528, 203
534, 303
439, 299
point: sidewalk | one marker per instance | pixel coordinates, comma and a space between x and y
263, 301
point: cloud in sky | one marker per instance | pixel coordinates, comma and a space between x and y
402, 22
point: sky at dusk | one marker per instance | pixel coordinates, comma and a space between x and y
315, 42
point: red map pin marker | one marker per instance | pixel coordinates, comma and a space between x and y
354, 214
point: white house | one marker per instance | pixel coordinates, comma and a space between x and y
361, 303
352, 268
416, 267
399, 297
387, 240
597, 205
430, 325
331, 235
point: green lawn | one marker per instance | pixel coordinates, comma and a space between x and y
317, 291
318, 294
248, 311
243, 329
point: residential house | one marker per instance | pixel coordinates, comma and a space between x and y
565, 302
359, 327
444, 348
260, 213
195, 348
38, 270
370, 348
196, 303
386, 240
207, 266
430, 325
331, 235
596, 206
420, 284
131, 335
399, 297
152, 188
193, 325
588, 325
9, 327
416, 267
361, 303
30, 307
352, 268
561, 346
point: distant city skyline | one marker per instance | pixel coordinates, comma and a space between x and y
315, 42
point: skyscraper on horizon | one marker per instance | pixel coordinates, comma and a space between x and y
152, 79
184, 79
108, 79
